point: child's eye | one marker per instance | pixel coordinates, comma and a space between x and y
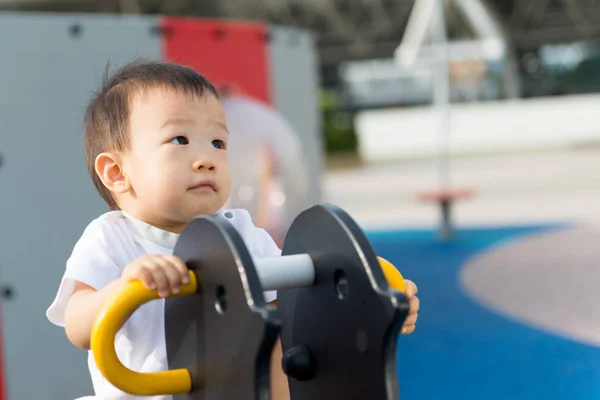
180, 140
218, 143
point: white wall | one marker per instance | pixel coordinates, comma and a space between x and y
479, 128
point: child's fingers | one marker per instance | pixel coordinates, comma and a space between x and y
145, 276
411, 288
413, 305
159, 277
407, 329
411, 320
180, 267
176, 271
174, 277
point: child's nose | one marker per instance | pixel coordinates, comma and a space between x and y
203, 163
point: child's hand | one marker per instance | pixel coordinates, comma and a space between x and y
161, 272
413, 302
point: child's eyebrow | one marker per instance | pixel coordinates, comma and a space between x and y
176, 121
184, 121
222, 125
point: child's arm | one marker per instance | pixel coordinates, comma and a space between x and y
82, 309
163, 273
279, 382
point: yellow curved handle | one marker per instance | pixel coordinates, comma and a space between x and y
109, 320
393, 276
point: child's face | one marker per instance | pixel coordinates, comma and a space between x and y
177, 163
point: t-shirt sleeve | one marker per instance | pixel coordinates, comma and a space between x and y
259, 242
265, 246
91, 262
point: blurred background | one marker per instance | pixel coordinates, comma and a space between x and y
462, 135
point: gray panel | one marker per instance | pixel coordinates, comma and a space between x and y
46, 196
294, 72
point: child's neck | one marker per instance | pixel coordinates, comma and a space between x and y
160, 223
150, 232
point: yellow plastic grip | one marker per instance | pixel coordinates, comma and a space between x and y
393, 276
109, 320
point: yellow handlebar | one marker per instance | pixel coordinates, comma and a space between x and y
392, 275
102, 342
114, 313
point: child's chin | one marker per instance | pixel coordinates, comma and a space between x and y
202, 211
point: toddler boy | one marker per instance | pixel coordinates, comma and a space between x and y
156, 150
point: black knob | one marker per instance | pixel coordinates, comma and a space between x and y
298, 363
75, 30
7, 292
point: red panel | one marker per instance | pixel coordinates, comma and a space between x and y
224, 51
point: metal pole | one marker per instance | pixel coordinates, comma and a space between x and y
442, 106
441, 96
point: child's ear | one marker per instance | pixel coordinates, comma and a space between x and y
109, 169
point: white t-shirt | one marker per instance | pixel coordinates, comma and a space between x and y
107, 245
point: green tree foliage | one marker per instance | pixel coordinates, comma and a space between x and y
338, 126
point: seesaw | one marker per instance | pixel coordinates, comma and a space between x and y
339, 312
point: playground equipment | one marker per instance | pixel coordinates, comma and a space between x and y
340, 308
460, 62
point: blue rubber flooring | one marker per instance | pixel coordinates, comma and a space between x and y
462, 350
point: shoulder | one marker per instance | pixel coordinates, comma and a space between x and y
238, 217
106, 233
258, 240
105, 226
101, 252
